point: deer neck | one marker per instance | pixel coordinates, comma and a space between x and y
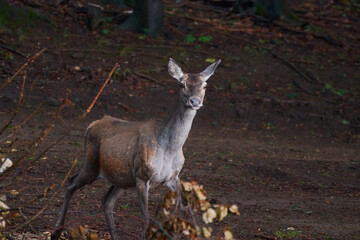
176, 129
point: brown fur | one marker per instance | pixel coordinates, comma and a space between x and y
139, 154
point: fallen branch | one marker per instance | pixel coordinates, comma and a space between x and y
292, 66
26, 219
101, 89
186, 49
109, 52
147, 77
287, 63
316, 35
51, 201
213, 23
23, 123
40, 138
30, 60
12, 50
43, 195
162, 228
20, 104
47, 130
51, 124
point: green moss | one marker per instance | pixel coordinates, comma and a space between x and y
259, 10
18, 20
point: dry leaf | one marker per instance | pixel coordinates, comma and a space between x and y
93, 236
200, 193
207, 232
227, 233
166, 212
186, 186
222, 211
205, 205
234, 209
2, 222
3, 207
209, 216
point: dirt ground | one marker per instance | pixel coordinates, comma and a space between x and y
278, 134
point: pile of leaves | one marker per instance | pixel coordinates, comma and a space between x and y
193, 200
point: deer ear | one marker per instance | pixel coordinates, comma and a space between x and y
174, 70
206, 74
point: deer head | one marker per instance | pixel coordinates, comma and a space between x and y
193, 86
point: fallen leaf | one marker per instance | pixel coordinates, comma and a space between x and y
210, 60
209, 215
2, 222
3, 207
200, 194
186, 186
207, 232
222, 211
234, 209
228, 233
205, 205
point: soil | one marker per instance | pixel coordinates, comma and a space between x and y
284, 148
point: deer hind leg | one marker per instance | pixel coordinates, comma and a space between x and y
86, 175
109, 202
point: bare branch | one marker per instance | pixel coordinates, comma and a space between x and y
97, 96
30, 60
20, 104
51, 202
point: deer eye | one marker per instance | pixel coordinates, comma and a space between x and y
205, 86
182, 85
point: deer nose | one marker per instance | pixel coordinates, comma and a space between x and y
194, 102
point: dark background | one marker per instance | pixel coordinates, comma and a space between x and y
278, 134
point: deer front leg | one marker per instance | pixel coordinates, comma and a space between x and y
143, 192
175, 186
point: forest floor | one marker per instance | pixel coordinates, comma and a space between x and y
278, 134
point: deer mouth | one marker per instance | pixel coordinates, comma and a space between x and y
195, 107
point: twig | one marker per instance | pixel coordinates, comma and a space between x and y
186, 48
46, 131
287, 63
26, 219
43, 195
19, 107
40, 138
101, 89
51, 124
20, 103
317, 35
147, 77
127, 108
30, 60
263, 237
292, 66
48, 148
51, 201
22, 124
161, 228
12, 50
214, 23
110, 51
152, 55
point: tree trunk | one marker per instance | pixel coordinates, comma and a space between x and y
147, 17
275, 9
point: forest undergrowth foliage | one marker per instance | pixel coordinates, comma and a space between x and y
178, 221
171, 224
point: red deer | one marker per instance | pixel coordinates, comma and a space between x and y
139, 154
